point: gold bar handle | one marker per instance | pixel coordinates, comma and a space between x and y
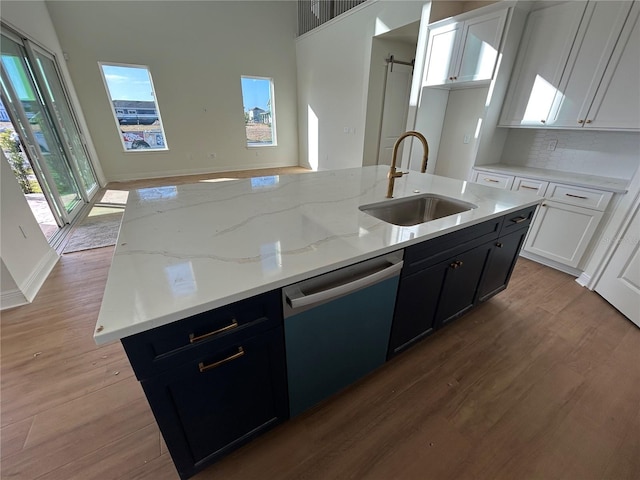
193, 338
203, 368
518, 219
576, 196
528, 187
491, 180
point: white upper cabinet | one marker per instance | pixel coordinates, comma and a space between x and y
578, 66
590, 57
464, 51
616, 103
544, 49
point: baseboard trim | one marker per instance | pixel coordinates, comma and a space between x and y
34, 282
584, 280
11, 299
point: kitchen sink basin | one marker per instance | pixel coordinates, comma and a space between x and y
414, 210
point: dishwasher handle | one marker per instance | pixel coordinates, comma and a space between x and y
298, 300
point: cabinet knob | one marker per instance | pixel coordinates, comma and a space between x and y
456, 264
580, 121
588, 121
455, 78
450, 78
543, 121
499, 245
544, 205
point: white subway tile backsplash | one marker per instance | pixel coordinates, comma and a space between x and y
612, 154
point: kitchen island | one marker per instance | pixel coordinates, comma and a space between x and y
194, 289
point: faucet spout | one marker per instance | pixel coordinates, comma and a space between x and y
393, 174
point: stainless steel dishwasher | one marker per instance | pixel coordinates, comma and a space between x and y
337, 328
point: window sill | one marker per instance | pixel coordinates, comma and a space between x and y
146, 150
261, 145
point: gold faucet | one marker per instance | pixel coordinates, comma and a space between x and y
393, 174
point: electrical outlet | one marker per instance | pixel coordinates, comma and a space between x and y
466, 138
551, 146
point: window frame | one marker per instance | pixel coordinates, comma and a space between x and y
115, 115
274, 136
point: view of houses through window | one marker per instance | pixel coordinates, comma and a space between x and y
135, 108
259, 111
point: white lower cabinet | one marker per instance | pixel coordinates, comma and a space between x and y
565, 222
562, 232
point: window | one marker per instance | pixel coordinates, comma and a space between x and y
259, 111
134, 106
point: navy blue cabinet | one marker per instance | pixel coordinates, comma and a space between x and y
445, 277
225, 385
462, 274
414, 316
504, 253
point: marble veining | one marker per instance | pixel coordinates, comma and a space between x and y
186, 249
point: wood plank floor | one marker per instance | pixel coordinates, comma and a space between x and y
541, 382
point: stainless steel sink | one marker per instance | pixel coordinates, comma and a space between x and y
414, 210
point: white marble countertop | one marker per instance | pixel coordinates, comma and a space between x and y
609, 184
187, 249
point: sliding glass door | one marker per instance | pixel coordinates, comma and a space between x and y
56, 99
36, 102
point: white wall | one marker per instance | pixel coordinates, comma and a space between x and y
25, 254
196, 52
31, 18
609, 154
430, 114
333, 76
441, 9
464, 109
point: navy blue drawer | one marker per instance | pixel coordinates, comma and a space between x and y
426, 254
517, 220
166, 347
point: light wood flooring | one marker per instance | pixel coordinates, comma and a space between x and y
541, 382
158, 182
